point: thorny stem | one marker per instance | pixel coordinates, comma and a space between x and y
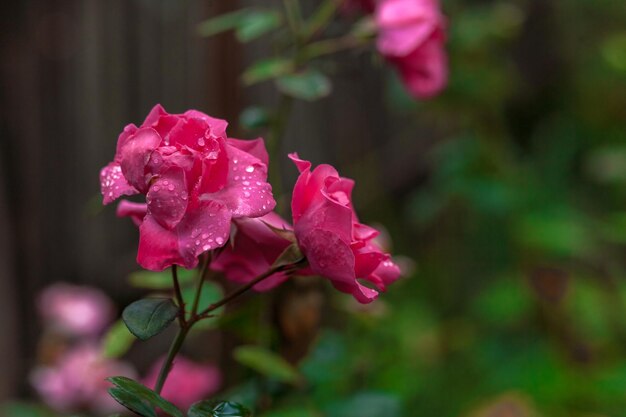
244, 288
200, 283
186, 325
179, 296
169, 360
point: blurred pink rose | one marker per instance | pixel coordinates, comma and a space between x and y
187, 382
336, 245
75, 310
412, 37
195, 181
255, 250
77, 382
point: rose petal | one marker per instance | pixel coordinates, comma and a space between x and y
256, 247
425, 71
217, 126
167, 197
330, 257
214, 168
135, 154
158, 246
128, 131
203, 228
136, 211
366, 263
113, 184
405, 24
247, 193
385, 274
307, 189
255, 147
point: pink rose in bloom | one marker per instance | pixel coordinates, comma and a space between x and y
412, 37
75, 310
188, 382
255, 249
195, 179
336, 245
77, 382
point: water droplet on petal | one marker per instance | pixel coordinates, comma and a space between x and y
171, 187
206, 247
219, 240
201, 142
246, 194
250, 168
205, 235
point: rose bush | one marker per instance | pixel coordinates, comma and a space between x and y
195, 179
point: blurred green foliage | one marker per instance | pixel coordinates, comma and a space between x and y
518, 304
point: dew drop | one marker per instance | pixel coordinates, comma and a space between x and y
246, 194
246, 183
205, 235
219, 240
197, 242
250, 168
206, 247
200, 142
156, 188
171, 187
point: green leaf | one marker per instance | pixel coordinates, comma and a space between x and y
290, 256
222, 23
308, 85
267, 69
131, 402
218, 409
150, 316
160, 280
254, 118
257, 23
117, 341
267, 363
142, 393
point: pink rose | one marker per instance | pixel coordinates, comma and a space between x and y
255, 249
412, 37
336, 245
78, 381
75, 310
196, 180
187, 382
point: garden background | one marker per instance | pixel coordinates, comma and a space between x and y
506, 196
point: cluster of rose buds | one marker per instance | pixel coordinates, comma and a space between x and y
200, 185
73, 370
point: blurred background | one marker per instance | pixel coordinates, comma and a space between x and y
505, 198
